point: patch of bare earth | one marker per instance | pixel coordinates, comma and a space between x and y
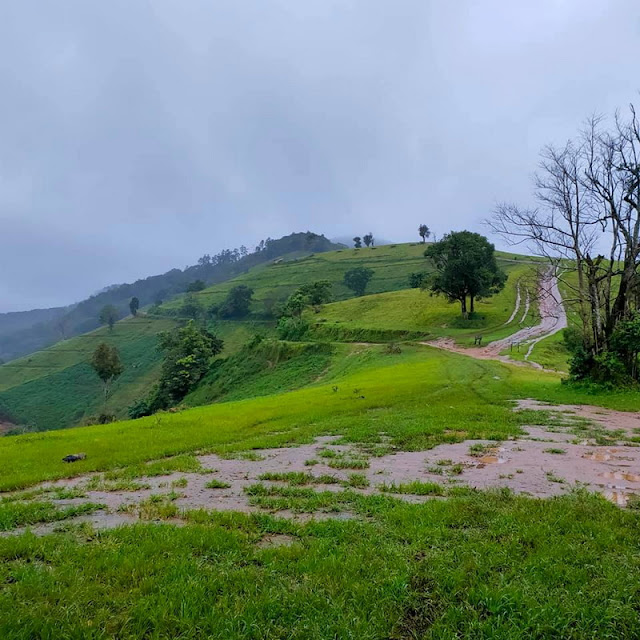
546, 461
553, 319
5, 427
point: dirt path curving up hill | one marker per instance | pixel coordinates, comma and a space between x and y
553, 318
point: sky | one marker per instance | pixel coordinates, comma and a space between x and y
137, 135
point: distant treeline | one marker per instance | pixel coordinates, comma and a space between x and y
27, 332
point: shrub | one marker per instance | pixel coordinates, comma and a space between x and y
294, 329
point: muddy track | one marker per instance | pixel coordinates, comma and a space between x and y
553, 318
589, 447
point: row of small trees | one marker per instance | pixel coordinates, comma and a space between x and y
367, 238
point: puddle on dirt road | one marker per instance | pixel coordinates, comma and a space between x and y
617, 497
491, 460
601, 456
621, 475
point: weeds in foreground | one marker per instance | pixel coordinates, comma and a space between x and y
469, 566
17, 514
217, 484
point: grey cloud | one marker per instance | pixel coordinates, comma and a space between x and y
136, 135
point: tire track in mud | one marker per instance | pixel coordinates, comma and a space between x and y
553, 318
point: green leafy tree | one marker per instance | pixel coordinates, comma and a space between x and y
108, 315
357, 242
237, 303
191, 307
465, 267
197, 285
416, 280
368, 239
134, 305
317, 293
107, 365
188, 352
625, 342
295, 305
357, 279
424, 232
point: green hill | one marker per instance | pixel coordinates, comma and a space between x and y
27, 332
374, 531
56, 388
275, 281
415, 311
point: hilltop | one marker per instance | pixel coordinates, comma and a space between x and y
383, 476
26, 332
56, 388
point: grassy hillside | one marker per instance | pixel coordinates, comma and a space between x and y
24, 333
472, 565
413, 310
348, 562
410, 397
56, 387
391, 264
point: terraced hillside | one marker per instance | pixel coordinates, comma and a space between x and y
392, 265
55, 387
413, 310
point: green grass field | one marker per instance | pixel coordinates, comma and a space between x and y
491, 566
56, 388
420, 398
464, 564
413, 310
474, 564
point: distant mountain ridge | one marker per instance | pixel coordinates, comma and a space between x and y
24, 332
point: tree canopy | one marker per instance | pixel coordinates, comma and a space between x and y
188, 352
237, 304
465, 267
357, 279
195, 286
108, 315
191, 307
424, 232
107, 365
134, 305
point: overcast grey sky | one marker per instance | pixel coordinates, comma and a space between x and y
136, 135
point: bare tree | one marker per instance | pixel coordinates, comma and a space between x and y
587, 224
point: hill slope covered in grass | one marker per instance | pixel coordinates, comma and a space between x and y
27, 332
56, 388
485, 564
413, 310
313, 555
275, 281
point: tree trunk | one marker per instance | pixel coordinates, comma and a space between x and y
471, 309
463, 306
